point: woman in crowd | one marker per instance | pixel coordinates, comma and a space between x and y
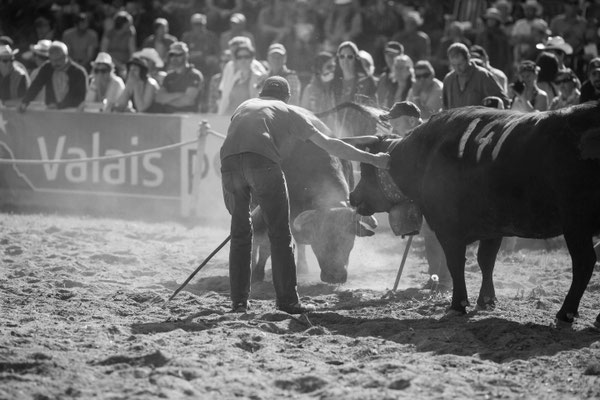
569, 89
405, 75
427, 91
548, 68
526, 95
243, 83
351, 82
105, 86
140, 88
119, 41
317, 95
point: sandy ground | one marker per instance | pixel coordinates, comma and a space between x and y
79, 320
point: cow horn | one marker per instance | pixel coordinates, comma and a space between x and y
361, 140
303, 218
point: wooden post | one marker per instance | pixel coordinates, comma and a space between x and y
203, 128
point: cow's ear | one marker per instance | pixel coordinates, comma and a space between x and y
304, 226
363, 226
361, 141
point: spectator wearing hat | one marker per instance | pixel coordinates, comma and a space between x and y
214, 93
105, 86
204, 48
387, 82
260, 137
571, 26
241, 77
525, 93
351, 82
590, 90
277, 59
417, 44
39, 51
317, 96
155, 63
140, 88
426, 92
119, 41
548, 69
237, 24
493, 102
160, 40
180, 91
569, 90
403, 117
495, 41
64, 81
468, 84
81, 41
557, 46
13, 81
478, 52
522, 36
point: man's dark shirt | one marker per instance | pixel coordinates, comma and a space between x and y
77, 86
179, 82
14, 85
588, 92
267, 127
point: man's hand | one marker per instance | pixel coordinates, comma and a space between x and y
382, 160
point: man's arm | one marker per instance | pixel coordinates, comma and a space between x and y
346, 151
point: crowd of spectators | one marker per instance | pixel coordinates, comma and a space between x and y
166, 56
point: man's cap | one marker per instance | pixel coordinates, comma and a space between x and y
237, 18
178, 48
393, 47
556, 43
103, 58
277, 48
7, 40
42, 47
277, 87
493, 13
401, 109
6, 50
198, 19
594, 64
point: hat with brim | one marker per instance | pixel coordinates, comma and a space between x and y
103, 58
138, 61
393, 47
556, 43
6, 50
402, 109
41, 48
150, 53
277, 48
493, 13
178, 48
276, 87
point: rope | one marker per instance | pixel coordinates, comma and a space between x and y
217, 134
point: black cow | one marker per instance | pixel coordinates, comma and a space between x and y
319, 186
481, 174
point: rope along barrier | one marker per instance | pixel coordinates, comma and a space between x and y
107, 158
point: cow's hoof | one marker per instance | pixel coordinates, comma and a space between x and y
451, 314
485, 307
560, 324
566, 318
486, 303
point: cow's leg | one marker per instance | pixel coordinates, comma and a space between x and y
486, 257
455, 250
581, 248
302, 264
261, 251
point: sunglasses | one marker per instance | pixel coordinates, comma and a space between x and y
243, 56
6, 60
101, 70
346, 56
422, 76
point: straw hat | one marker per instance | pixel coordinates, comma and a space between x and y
41, 48
103, 58
556, 43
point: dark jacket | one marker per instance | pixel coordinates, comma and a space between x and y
77, 86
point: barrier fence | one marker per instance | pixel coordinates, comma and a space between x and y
112, 162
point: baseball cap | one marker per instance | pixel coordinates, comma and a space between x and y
393, 47
198, 19
276, 86
237, 18
178, 48
277, 48
401, 109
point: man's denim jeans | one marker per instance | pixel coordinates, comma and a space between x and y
245, 175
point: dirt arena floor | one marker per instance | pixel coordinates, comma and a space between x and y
81, 318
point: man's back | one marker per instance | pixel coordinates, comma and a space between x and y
267, 127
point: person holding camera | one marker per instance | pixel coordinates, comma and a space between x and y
525, 94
